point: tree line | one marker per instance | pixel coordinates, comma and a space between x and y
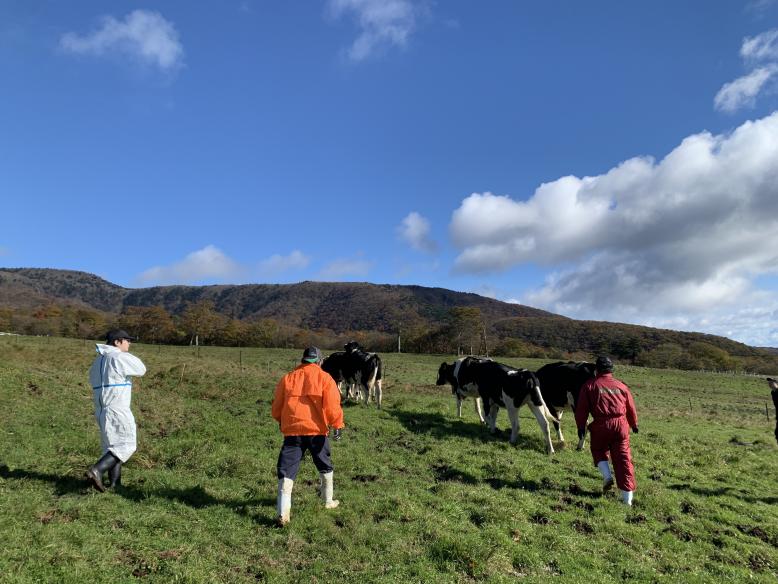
462, 331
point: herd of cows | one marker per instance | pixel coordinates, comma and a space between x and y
359, 375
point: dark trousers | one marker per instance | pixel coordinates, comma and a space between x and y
294, 448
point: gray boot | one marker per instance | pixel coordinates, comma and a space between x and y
325, 489
284, 501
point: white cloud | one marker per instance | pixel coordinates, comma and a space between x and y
415, 231
682, 238
759, 6
382, 23
207, 264
277, 264
143, 34
345, 268
762, 47
742, 91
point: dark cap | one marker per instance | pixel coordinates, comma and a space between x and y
771, 380
311, 355
603, 363
117, 335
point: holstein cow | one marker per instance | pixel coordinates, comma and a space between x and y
497, 385
774, 393
359, 369
449, 374
560, 383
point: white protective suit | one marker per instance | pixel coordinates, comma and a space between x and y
109, 377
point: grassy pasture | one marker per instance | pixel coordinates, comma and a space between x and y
425, 497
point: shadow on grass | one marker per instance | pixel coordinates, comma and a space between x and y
63, 485
196, 497
448, 473
723, 492
440, 426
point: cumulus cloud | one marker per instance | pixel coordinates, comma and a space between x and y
382, 23
277, 264
742, 92
683, 236
345, 268
207, 264
415, 231
143, 34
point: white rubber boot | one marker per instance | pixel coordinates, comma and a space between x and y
626, 496
326, 490
284, 501
607, 477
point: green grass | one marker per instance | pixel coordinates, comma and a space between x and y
425, 497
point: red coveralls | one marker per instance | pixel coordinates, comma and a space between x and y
610, 403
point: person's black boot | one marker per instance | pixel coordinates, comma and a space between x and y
95, 473
115, 476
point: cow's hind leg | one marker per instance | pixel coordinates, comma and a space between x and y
513, 416
378, 393
556, 419
479, 409
540, 416
491, 417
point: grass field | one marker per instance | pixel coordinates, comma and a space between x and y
425, 497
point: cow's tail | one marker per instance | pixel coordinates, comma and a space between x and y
537, 399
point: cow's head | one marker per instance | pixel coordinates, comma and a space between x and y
352, 346
446, 375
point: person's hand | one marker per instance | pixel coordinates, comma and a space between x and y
336, 434
635, 429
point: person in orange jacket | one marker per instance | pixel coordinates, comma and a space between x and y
306, 404
610, 403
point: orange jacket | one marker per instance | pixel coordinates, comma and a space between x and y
307, 402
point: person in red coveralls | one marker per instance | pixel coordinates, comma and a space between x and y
306, 404
610, 403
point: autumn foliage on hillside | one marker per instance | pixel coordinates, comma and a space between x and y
458, 330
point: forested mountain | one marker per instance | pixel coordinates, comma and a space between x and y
433, 320
338, 306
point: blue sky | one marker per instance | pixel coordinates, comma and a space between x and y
607, 161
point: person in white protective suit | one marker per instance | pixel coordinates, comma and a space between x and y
109, 377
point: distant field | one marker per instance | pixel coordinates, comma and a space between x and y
425, 497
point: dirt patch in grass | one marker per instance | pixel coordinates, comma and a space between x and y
582, 527
636, 518
759, 562
759, 533
541, 519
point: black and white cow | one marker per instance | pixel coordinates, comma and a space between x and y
497, 385
774, 393
358, 369
560, 384
449, 373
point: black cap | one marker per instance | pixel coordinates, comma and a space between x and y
117, 335
311, 355
604, 363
